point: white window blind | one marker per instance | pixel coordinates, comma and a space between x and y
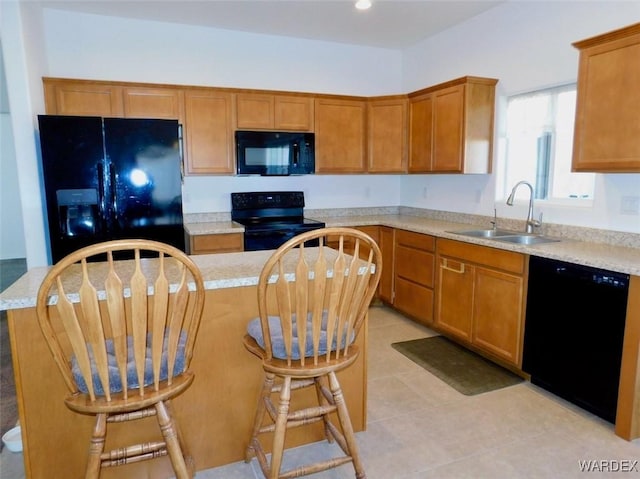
540, 143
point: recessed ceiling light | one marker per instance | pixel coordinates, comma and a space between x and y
363, 4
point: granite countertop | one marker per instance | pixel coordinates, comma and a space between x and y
623, 259
213, 228
219, 271
226, 270
597, 248
607, 250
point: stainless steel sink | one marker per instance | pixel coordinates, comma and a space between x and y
488, 233
506, 236
527, 239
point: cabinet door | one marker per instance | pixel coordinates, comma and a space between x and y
607, 127
340, 135
254, 111
498, 313
142, 102
387, 132
274, 112
420, 134
448, 122
454, 308
63, 97
385, 288
293, 113
209, 132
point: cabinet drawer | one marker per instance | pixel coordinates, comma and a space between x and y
483, 255
217, 243
414, 300
415, 240
415, 265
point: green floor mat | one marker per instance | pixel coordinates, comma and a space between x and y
460, 368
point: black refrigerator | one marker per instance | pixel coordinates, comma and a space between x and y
111, 178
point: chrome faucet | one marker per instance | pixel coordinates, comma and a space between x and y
530, 221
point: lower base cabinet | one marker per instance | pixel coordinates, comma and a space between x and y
480, 298
386, 238
216, 243
413, 275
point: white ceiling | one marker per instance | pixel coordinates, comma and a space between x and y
394, 24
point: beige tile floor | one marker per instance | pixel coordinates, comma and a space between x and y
420, 428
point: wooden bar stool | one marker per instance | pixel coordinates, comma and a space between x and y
312, 302
122, 334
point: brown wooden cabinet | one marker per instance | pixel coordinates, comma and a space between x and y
607, 127
209, 132
216, 243
274, 112
116, 100
386, 238
83, 98
420, 133
380, 234
480, 297
413, 275
348, 247
144, 102
447, 128
387, 134
451, 127
340, 128
454, 303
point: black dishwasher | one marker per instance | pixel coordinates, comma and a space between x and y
574, 331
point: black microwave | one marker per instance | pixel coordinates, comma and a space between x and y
274, 153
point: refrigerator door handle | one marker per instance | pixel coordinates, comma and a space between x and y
181, 152
101, 198
114, 193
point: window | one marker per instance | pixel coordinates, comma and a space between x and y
540, 143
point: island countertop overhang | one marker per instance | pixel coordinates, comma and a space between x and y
219, 271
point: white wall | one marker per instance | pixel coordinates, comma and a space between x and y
527, 46
11, 230
134, 50
524, 44
20, 30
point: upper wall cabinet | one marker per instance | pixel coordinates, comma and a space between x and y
340, 127
607, 127
120, 100
274, 112
84, 98
451, 127
447, 128
142, 102
209, 132
387, 134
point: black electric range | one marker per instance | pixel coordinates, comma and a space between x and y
270, 218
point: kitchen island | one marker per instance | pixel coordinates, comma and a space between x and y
215, 414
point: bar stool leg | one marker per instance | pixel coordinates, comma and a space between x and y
347, 428
261, 409
280, 431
